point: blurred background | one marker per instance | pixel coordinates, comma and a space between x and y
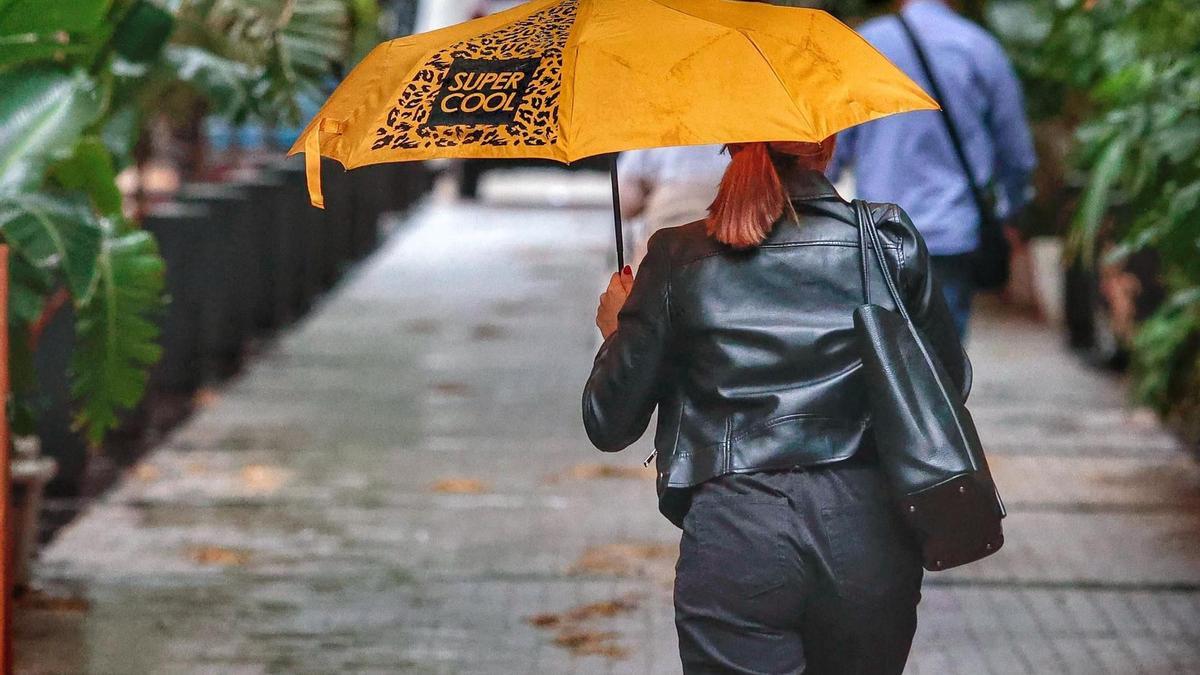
254, 436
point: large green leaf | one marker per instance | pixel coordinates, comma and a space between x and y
286, 49
143, 32
90, 170
43, 113
222, 81
44, 16
120, 134
57, 234
115, 331
39, 29
1096, 198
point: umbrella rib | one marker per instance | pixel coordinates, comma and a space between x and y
778, 78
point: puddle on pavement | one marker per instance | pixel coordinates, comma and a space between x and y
574, 630
645, 560
512, 308
460, 486
422, 327
486, 332
246, 437
600, 472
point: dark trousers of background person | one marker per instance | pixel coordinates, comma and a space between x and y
806, 571
955, 274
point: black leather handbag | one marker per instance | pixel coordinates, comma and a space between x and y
927, 444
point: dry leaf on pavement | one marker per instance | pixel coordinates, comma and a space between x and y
146, 472
460, 486
36, 599
592, 643
628, 559
263, 477
218, 556
450, 388
596, 471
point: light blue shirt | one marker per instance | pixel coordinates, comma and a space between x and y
909, 159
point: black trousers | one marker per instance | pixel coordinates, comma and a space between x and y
806, 571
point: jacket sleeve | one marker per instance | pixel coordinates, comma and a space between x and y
622, 390
926, 304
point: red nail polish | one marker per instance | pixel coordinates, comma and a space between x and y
627, 270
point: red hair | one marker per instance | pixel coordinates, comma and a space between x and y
751, 197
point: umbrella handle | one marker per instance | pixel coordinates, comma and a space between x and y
617, 228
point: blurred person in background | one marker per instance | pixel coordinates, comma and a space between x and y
738, 328
665, 187
911, 159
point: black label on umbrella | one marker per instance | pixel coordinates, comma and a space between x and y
482, 91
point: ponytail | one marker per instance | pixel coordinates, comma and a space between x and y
750, 198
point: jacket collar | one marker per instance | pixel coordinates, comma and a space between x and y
804, 185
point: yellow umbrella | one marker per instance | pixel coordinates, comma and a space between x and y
568, 79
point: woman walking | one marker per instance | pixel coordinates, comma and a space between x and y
739, 330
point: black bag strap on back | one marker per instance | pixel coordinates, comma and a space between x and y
987, 216
869, 239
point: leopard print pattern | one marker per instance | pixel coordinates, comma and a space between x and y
542, 34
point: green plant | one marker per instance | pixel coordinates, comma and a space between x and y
1128, 72
80, 81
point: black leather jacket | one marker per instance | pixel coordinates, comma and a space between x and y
750, 356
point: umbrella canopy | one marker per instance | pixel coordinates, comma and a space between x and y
568, 79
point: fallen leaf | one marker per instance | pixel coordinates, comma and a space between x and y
206, 397
460, 486
630, 559
598, 471
146, 472
592, 643
218, 556
574, 634
36, 599
450, 388
263, 477
582, 613
547, 620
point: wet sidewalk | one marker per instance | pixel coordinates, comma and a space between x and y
403, 485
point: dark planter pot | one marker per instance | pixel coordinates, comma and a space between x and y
184, 237
336, 223
410, 182
271, 229
227, 271
373, 189
303, 225
56, 412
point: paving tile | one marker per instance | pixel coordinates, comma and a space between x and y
294, 526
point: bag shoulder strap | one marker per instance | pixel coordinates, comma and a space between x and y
868, 238
977, 191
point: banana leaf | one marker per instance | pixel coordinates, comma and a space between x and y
43, 113
116, 333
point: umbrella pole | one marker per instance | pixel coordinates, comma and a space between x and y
617, 229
